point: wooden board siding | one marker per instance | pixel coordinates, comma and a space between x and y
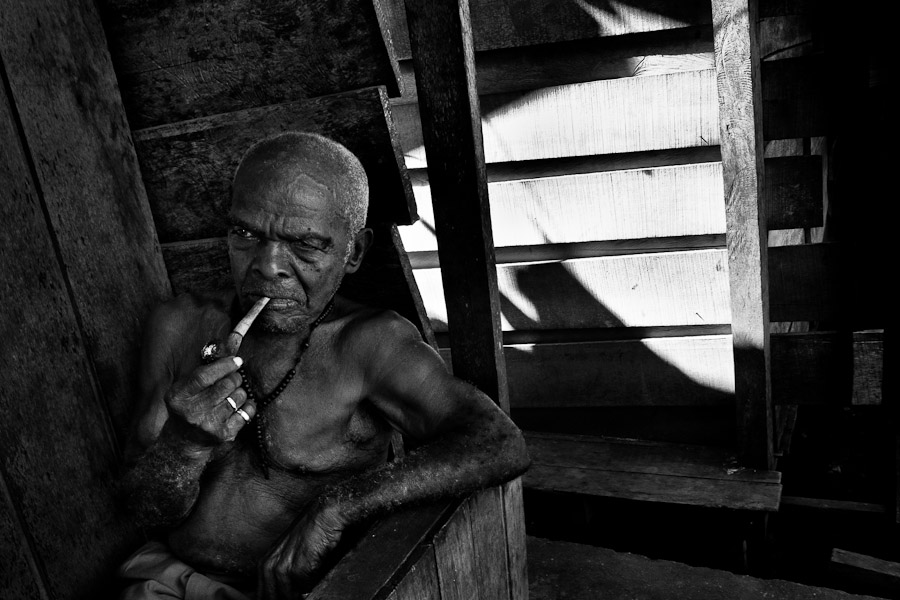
181, 60
188, 166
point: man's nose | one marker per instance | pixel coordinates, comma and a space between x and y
271, 262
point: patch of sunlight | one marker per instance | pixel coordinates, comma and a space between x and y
615, 17
698, 358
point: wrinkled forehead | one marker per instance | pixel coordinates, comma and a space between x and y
279, 180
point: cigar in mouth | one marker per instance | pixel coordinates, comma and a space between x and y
229, 347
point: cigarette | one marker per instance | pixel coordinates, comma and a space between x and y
232, 343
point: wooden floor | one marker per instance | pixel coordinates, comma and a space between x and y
568, 571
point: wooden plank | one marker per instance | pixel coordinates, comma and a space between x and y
188, 166
58, 453
827, 504
421, 582
802, 282
384, 556
868, 368
628, 204
689, 371
670, 288
187, 59
743, 170
676, 110
501, 24
20, 574
794, 97
882, 573
441, 43
649, 472
489, 541
516, 551
80, 145
455, 558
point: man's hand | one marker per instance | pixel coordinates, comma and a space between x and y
295, 563
199, 407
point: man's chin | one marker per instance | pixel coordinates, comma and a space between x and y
278, 324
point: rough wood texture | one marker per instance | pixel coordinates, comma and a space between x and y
793, 189
517, 560
188, 166
648, 471
868, 368
740, 120
802, 282
441, 43
186, 59
882, 573
58, 452
455, 558
421, 582
384, 555
503, 24
668, 288
489, 542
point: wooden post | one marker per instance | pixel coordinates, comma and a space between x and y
740, 126
441, 42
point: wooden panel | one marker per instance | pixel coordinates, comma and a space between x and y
58, 454
81, 149
603, 117
793, 189
517, 560
503, 24
441, 42
455, 558
794, 97
421, 582
188, 166
384, 555
648, 471
802, 282
672, 288
489, 542
187, 59
868, 368
20, 575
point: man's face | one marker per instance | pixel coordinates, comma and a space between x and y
287, 240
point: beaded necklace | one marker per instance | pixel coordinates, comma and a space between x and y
262, 403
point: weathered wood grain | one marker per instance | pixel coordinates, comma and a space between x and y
441, 42
670, 288
186, 59
743, 170
489, 542
63, 86
868, 368
517, 559
648, 471
58, 450
502, 24
455, 557
384, 555
421, 582
188, 166
802, 282
20, 575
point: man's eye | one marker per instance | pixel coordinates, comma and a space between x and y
242, 233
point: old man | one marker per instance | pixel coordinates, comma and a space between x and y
252, 466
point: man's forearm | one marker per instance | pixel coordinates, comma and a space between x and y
162, 486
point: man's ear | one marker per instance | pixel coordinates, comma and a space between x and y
361, 244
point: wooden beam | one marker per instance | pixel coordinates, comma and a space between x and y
188, 166
441, 43
743, 169
183, 60
874, 571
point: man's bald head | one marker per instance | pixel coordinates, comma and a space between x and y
283, 159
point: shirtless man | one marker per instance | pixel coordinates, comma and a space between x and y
253, 500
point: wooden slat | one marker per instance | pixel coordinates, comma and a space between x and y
384, 555
455, 558
740, 120
647, 471
672, 288
514, 518
188, 166
868, 368
501, 24
441, 44
489, 543
802, 282
58, 452
421, 582
874, 571
182, 60
85, 165
629, 204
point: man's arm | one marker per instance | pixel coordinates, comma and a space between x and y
177, 424
467, 443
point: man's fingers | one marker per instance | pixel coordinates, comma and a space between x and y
226, 386
242, 415
206, 375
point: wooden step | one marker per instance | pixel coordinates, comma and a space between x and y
648, 471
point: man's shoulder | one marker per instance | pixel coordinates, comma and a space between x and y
371, 327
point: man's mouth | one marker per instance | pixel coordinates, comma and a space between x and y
281, 303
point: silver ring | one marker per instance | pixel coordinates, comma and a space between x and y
232, 403
243, 414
